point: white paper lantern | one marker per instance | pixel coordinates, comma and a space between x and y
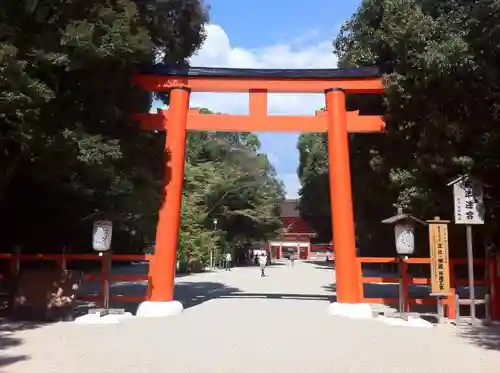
101, 238
405, 239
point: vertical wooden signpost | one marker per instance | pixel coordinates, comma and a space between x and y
440, 267
469, 210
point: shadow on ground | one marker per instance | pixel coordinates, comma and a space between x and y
485, 336
389, 292
190, 294
276, 263
322, 264
8, 340
294, 296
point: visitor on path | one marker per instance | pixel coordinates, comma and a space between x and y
262, 264
293, 257
228, 261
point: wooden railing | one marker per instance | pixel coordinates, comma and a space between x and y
62, 260
408, 280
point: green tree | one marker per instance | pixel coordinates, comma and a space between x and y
229, 180
314, 202
441, 108
69, 149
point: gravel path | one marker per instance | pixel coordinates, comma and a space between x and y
239, 322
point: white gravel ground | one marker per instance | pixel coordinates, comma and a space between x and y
239, 322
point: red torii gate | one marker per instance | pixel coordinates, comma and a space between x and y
336, 121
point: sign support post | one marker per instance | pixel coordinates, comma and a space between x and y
469, 210
470, 265
101, 242
404, 227
440, 267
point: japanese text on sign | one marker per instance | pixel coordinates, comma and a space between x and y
440, 271
468, 197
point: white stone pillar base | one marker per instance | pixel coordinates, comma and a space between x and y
96, 319
150, 309
351, 310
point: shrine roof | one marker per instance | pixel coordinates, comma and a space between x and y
222, 72
289, 209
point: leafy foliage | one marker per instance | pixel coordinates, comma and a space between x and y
69, 151
228, 180
441, 111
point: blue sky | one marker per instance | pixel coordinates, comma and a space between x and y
272, 34
256, 23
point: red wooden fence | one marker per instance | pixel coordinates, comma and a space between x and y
61, 261
491, 281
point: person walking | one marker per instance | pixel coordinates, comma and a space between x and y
262, 264
228, 261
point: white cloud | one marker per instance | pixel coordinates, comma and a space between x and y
273, 157
292, 184
299, 52
217, 51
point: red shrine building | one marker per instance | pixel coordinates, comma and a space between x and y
296, 236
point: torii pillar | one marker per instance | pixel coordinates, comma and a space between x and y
341, 206
336, 121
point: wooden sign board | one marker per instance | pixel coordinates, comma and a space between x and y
468, 201
440, 268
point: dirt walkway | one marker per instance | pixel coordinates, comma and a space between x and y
239, 322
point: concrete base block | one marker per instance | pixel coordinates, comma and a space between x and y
351, 310
150, 309
411, 321
96, 319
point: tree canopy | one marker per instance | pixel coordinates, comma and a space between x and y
441, 109
70, 152
227, 180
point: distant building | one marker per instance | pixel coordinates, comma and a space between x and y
296, 236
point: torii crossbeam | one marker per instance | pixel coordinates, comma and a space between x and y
178, 119
260, 122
